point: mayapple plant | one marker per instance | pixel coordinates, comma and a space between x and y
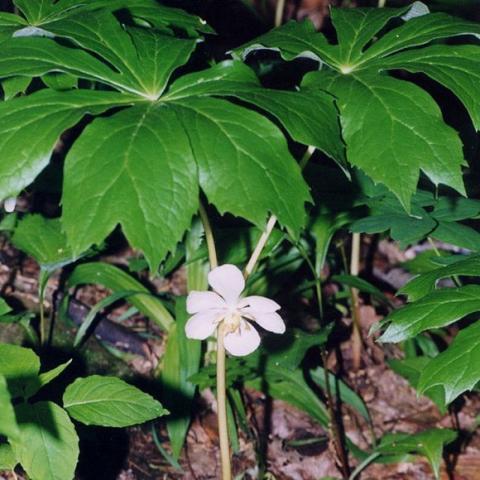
152, 136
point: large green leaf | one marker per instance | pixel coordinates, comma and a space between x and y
47, 447
226, 138
37, 56
457, 368
419, 31
20, 367
435, 310
392, 129
309, 116
454, 66
101, 33
116, 279
109, 402
43, 117
180, 362
43, 12
370, 104
356, 27
146, 181
9, 23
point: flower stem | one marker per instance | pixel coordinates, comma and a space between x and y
221, 383
222, 406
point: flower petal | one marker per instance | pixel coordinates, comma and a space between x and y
200, 301
243, 341
202, 325
272, 322
256, 304
227, 280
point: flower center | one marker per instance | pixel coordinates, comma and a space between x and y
232, 321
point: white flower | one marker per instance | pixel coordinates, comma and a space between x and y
225, 304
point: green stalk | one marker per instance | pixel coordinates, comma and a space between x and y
220, 367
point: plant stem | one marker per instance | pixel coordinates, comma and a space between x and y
42, 285
454, 278
262, 241
222, 406
335, 427
356, 333
279, 12
221, 383
212, 252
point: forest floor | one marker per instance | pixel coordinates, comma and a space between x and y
298, 448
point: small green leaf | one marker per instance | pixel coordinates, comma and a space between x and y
12, 86
20, 367
457, 368
438, 309
47, 447
44, 240
104, 303
116, 279
386, 214
342, 390
4, 308
428, 443
426, 283
361, 285
109, 402
291, 387
8, 421
45, 378
457, 234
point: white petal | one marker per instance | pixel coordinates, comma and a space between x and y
227, 280
271, 321
256, 304
202, 325
10, 204
243, 341
199, 301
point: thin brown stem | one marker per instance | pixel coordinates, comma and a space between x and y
334, 422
